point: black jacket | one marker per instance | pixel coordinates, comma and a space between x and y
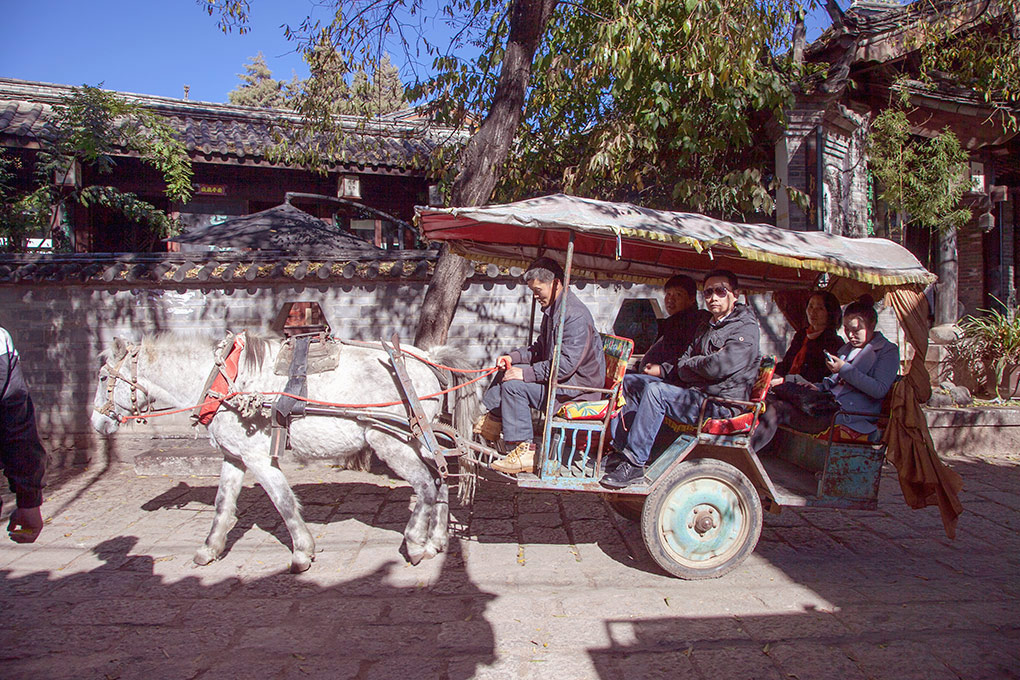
814, 369
582, 361
21, 453
678, 331
723, 360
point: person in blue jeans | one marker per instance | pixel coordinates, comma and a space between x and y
722, 362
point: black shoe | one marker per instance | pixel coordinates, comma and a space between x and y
610, 461
625, 474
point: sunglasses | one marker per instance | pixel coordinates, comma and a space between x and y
717, 291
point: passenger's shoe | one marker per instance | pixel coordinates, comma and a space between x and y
625, 474
521, 459
610, 461
488, 427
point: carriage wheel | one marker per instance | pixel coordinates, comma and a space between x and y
626, 505
702, 520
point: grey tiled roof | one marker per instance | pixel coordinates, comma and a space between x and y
128, 270
232, 133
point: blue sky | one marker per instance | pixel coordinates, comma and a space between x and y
150, 46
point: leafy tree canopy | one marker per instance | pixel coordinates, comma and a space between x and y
674, 93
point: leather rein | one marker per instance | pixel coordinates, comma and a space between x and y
114, 374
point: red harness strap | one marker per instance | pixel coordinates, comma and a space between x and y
222, 384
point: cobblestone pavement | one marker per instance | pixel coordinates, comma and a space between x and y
535, 585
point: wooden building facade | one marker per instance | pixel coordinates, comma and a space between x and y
384, 167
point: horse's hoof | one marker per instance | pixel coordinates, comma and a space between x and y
204, 556
300, 563
430, 551
415, 556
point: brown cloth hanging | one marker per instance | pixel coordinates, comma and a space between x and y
924, 478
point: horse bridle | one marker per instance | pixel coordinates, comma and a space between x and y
113, 373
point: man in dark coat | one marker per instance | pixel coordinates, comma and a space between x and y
21, 452
677, 330
722, 362
522, 385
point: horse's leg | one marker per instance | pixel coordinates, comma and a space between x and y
439, 528
275, 484
403, 459
231, 477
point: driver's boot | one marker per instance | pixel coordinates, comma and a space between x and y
488, 427
521, 459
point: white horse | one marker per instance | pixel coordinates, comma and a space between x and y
171, 370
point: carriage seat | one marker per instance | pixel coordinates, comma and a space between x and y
617, 351
843, 434
742, 423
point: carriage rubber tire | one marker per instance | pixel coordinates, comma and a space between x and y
703, 489
626, 505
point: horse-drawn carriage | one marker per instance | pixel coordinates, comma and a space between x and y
701, 501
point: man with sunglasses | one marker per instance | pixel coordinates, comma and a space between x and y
721, 362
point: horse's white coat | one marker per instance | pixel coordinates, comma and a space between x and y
174, 368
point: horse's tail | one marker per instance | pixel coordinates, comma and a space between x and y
465, 407
466, 399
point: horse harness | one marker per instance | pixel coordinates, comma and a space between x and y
114, 374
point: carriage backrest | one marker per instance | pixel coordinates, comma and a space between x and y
617, 350
766, 370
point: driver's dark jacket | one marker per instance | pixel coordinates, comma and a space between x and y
582, 361
723, 360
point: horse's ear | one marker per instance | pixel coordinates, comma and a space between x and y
119, 348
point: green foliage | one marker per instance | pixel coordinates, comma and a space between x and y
88, 129
657, 101
923, 180
673, 107
258, 88
21, 214
992, 342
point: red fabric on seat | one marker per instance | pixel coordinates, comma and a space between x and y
734, 425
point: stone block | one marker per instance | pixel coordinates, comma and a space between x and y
197, 459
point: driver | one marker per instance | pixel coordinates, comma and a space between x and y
521, 384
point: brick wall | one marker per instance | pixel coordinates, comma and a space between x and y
60, 330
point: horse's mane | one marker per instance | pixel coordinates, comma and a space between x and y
255, 349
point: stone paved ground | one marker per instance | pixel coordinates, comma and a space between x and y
534, 586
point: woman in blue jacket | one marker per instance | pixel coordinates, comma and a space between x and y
861, 374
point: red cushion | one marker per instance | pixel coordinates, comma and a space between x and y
734, 425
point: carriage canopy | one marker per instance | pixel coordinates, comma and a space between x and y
620, 241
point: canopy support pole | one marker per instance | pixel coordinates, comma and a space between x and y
554, 366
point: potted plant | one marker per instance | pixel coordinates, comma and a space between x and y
991, 343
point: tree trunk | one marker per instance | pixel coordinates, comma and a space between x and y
947, 290
481, 162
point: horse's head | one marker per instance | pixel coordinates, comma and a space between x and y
119, 393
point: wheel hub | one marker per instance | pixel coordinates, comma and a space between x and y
703, 519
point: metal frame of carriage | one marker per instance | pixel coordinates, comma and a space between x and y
700, 504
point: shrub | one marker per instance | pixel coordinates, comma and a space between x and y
990, 344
